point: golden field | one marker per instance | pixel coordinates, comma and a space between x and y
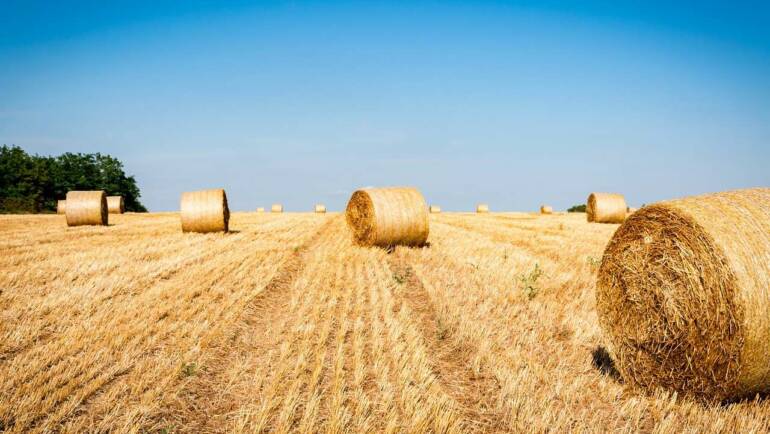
284, 326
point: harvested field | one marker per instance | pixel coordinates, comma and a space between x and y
284, 324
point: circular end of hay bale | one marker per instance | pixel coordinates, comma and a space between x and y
386, 217
606, 208
546, 209
115, 205
61, 206
668, 301
482, 208
86, 208
205, 211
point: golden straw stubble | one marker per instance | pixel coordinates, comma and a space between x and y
388, 216
606, 208
86, 208
683, 295
205, 211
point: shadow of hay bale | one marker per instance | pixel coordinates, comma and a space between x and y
602, 361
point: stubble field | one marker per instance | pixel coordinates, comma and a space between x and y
283, 325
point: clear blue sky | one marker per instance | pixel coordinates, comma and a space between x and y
302, 102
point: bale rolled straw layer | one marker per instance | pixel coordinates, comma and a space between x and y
546, 209
86, 208
606, 208
320, 208
115, 205
205, 211
434, 209
683, 295
387, 217
277, 207
482, 208
61, 206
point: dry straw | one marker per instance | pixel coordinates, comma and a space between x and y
277, 207
388, 216
683, 295
546, 209
86, 208
482, 208
115, 205
606, 208
61, 206
320, 208
434, 209
205, 211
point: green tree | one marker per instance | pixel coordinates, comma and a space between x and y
577, 208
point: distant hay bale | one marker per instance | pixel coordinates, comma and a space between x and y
388, 216
115, 205
683, 295
61, 206
205, 211
277, 207
86, 208
546, 209
606, 208
260, 209
482, 208
320, 208
434, 209
631, 210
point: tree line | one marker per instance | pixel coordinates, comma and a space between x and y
33, 183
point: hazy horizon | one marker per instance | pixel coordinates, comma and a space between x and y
304, 102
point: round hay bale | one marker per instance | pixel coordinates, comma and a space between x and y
546, 209
277, 207
115, 205
683, 295
320, 208
482, 208
86, 208
387, 217
61, 206
205, 211
260, 209
434, 209
606, 208
631, 210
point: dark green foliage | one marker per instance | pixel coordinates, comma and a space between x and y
33, 183
577, 208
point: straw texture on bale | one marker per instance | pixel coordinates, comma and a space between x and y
61, 206
683, 295
86, 208
320, 208
387, 217
546, 209
205, 211
434, 209
606, 208
482, 208
277, 207
115, 205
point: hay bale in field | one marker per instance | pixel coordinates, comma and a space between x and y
115, 205
86, 208
434, 209
546, 209
606, 208
205, 211
260, 209
277, 207
482, 208
388, 216
320, 208
61, 206
683, 295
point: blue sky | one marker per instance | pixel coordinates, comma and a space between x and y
514, 104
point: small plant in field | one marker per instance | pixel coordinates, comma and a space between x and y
593, 262
167, 429
188, 369
441, 330
475, 266
529, 282
400, 279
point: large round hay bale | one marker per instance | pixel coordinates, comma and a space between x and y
61, 206
683, 295
482, 208
260, 209
388, 216
319, 208
205, 211
86, 208
606, 208
115, 205
546, 209
434, 209
277, 207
